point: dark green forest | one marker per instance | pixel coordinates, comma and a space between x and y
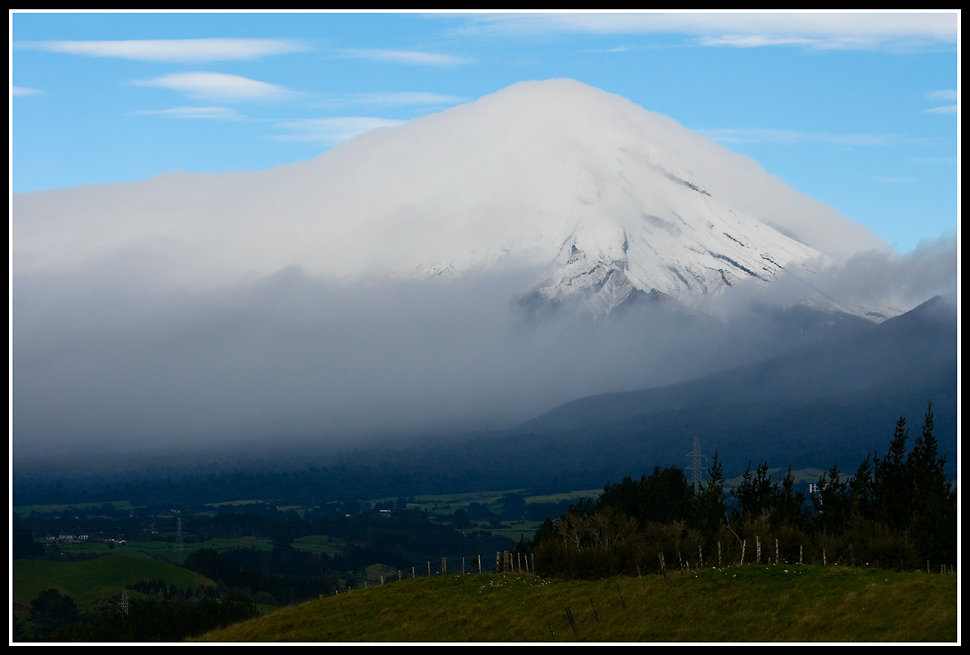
897, 511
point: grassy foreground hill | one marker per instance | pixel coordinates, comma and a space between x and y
758, 603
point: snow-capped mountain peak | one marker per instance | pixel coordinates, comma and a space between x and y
612, 199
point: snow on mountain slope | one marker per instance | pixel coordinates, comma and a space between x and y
610, 200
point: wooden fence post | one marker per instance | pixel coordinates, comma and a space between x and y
444, 566
572, 621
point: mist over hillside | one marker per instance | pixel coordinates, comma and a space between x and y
467, 271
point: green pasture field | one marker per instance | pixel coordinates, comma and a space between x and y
87, 507
568, 495
753, 603
318, 544
228, 544
87, 580
235, 503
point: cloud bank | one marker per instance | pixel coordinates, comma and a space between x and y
105, 365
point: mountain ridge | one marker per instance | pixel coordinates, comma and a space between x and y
923, 337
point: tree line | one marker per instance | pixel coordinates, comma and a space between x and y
897, 511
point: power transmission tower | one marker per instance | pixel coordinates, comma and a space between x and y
178, 537
697, 461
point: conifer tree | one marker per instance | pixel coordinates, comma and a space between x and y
929, 517
756, 492
891, 481
861, 489
790, 503
711, 502
833, 502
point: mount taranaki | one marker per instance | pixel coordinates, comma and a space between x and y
388, 285
607, 199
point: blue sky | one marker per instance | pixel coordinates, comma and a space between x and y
857, 110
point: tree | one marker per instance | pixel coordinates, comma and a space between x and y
513, 506
460, 520
790, 504
861, 488
23, 541
756, 493
664, 496
931, 521
833, 502
891, 481
712, 506
51, 610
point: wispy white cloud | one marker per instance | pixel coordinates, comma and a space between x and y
945, 109
942, 95
747, 29
761, 41
330, 131
412, 57
24, 91
173, 50
615, 49
217, 113
219, 86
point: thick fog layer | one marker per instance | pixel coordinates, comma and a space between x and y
292, 356
289, 355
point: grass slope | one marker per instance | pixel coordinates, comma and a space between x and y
88, 580
738, 604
